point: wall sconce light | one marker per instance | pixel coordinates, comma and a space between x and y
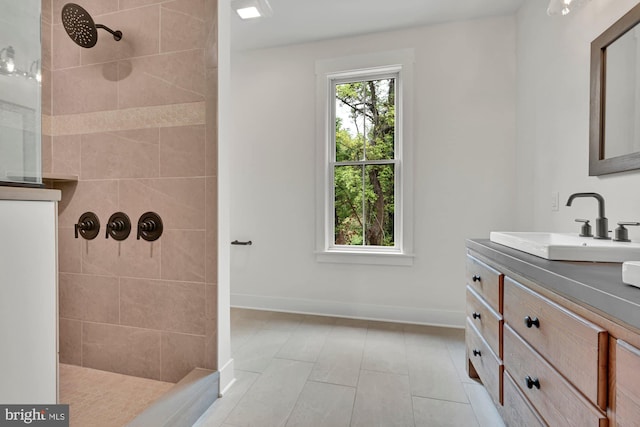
34, 71
7, 60
250, 9
563, 7
8, 66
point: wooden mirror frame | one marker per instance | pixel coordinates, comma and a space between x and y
598, 164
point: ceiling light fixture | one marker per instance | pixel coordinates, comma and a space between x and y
251, 9
563, 7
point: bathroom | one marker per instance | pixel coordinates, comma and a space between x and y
501, 125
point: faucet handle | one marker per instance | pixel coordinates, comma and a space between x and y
585, 231
622, 234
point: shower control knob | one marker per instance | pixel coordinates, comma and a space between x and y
119, 226
150, 226
88, 226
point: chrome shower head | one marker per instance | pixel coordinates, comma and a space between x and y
80, 26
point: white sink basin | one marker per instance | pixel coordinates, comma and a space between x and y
631, 273
568, 247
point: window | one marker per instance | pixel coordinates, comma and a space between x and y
363, 141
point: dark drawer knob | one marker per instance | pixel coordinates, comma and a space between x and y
529, 322
532, 382
476, 278
477, 353
476, 315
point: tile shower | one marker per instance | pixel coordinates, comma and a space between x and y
135, 121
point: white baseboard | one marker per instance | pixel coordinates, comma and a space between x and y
227, 377
452, 319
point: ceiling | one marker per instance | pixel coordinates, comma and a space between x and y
301, 21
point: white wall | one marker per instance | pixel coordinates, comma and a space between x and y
464, 173
553, 119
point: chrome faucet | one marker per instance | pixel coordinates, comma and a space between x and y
602, 226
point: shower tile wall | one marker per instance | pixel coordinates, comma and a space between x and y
135, 120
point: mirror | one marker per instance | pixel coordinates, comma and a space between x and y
20, 105
614, 125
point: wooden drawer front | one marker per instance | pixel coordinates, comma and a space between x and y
628, 385
486, 320
575, 347
556, 400
517, 410
485, 281
485, 362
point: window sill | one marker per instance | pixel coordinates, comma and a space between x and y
372, 258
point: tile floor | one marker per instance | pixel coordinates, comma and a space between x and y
305, 371
105, 399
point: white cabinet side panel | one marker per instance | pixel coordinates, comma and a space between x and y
28, 301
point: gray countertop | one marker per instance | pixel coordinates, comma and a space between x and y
595, 284
30, 194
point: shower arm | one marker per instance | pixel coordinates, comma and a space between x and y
117, 35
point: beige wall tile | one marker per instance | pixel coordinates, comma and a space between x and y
180, 202
69, 251
66, 154
45, 40
85, 89
211, 47
211, 346
172, 78
182, 151
118, 155
211, 240
211, 299
131, 118
163, 305
94, 7
183, 255
140, 36
100, 197
139, 258
194, 8
180, 355
122, 349
70, 341
129, 4
127, 258
92, 298
45, 87
46, 11
66, 53
182, 24
211, 115
46, 153
139, 129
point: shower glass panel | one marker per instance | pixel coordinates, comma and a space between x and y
20, 94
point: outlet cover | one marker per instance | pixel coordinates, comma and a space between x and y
555, 201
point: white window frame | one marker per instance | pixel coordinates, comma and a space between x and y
399, 65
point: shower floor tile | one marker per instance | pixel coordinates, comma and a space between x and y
105, 399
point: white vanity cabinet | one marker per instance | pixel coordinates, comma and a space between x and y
28, 296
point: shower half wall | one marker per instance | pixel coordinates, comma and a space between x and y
135, 120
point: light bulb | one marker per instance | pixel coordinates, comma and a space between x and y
563, 7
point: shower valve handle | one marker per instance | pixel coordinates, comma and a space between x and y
149, 227
88, 226
84, 226
119, 226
